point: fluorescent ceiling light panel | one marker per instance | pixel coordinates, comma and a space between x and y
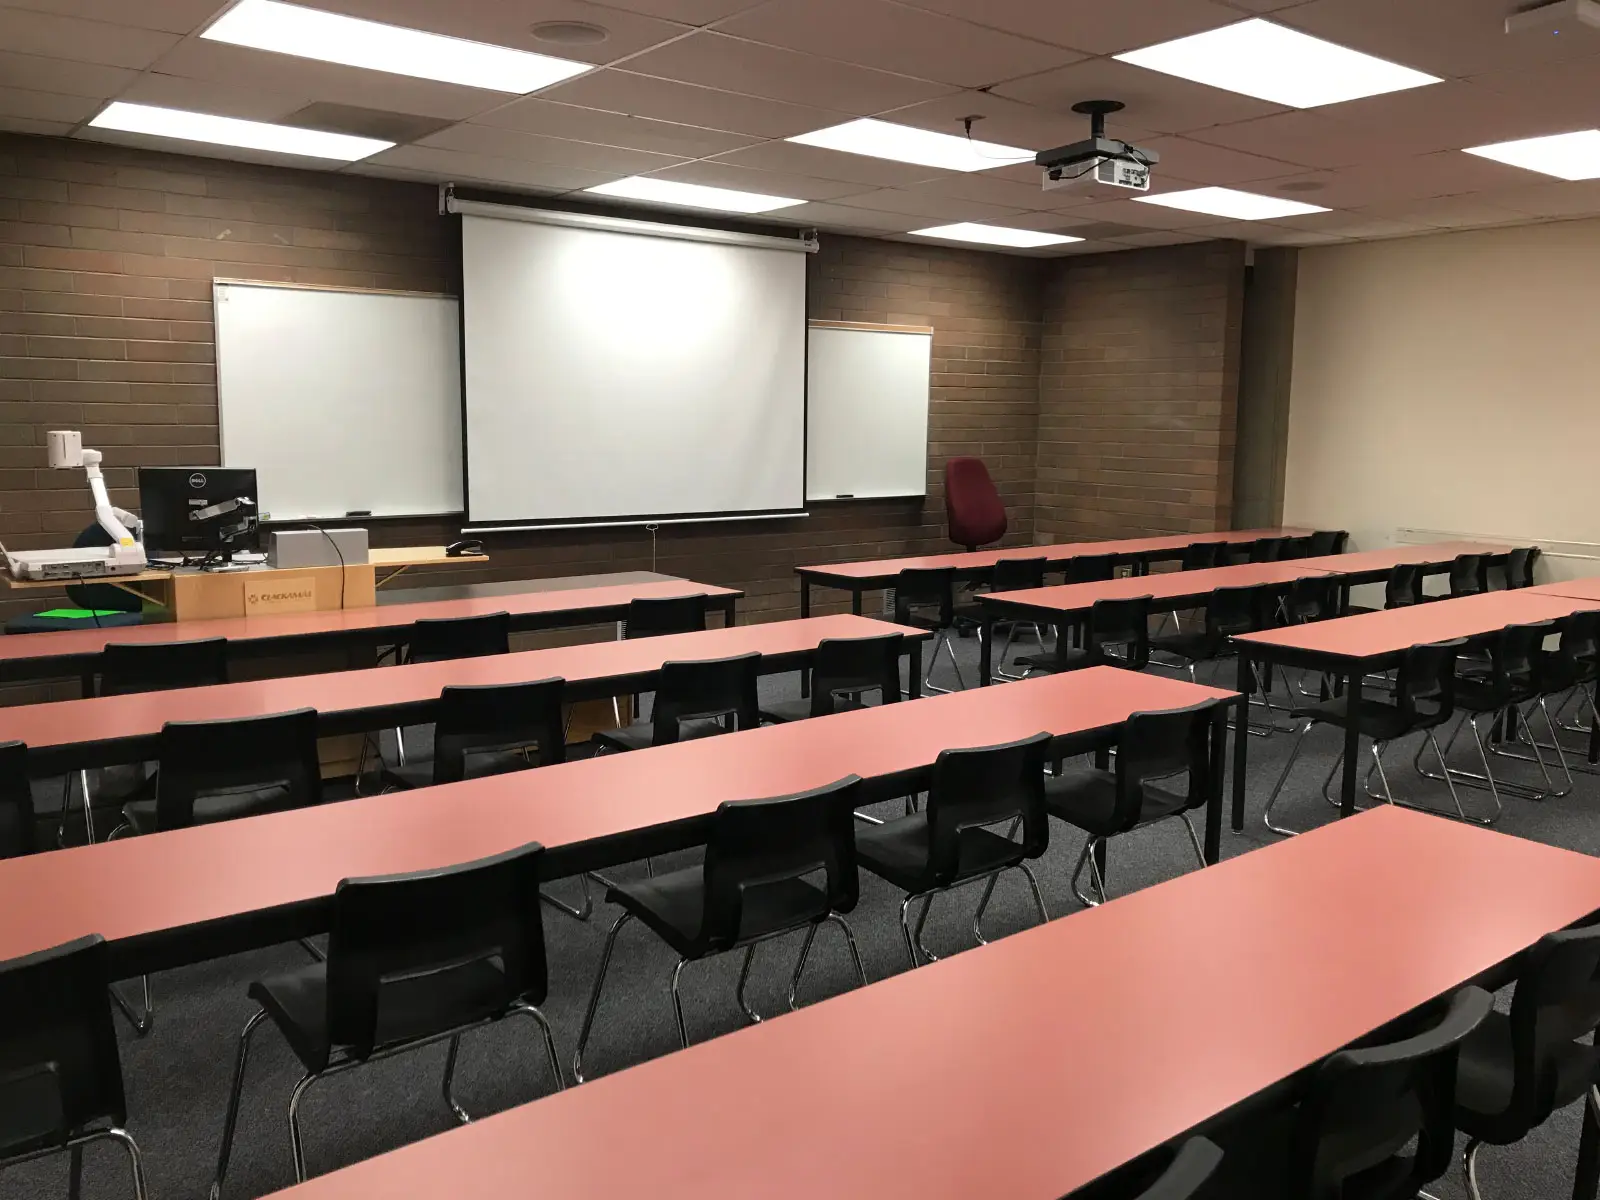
335, 38
691, 195
1270, 62
1238, 206
902, 143
1564, 155
995, 235
231, 131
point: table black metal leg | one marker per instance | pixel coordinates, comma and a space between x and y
805, 597
855, 601
1241, 736
986, 651
1352, 742
1219, 750
914, 669
730, 612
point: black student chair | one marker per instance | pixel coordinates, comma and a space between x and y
1469, 575
210, 771
1154, 750
1169, 1173
1423, 700
1520, 565
1265, 550
1230, 611
1403, 588
412, 960
16, 802
1376, 1122
659, 616
1571, 670
1327, 541
1118, 635
127, 668
440, 639
759, 881
60, 1073
953, 841
693, 700
1009, 575
924, 598
1518, 1068
490, 729
842, 673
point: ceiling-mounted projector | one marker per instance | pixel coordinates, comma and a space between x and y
1098, 161
1562, 17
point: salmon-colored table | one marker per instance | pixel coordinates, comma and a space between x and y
170, 898
1373, 566
72, 735
1030, 1067
859, 577
1578, 589
77, 651
1354, 646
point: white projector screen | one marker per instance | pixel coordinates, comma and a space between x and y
614, 376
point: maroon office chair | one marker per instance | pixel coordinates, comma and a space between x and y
974, 513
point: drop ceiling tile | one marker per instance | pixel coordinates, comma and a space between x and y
691, 104
735, 65
842, 217
98, 42
63, 77
171, 16
1159, 237
765, 183
1449, 212
1562, 95
1556, 198
1358, 226
535, 148
893, 37
1195, 162
1156, 103
1093, 26
503, 24
613, 129
246, 101
268, 72
941, 210
813, 161
30, 125
985, 189
1413, 177
450, 166
1442, 37
1141, 216
47, 106
687, 12
1265, 233
1005, 122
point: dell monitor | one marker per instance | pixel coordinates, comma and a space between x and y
198, 510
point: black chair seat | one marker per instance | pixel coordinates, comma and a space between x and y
1486, 1072
1069, 658
641, 734
1256, 1163
297, 1002
219, 806
921, 620
1198, 645
1088, 800
1374, 719
783, 711
899, 851
673, 906
420, 774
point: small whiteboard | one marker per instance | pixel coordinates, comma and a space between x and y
342, 400
867, 410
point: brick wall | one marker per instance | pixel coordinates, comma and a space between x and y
106, 261
1138, 390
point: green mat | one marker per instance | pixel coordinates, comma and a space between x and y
79, 614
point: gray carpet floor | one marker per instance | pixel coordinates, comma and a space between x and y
178, 1077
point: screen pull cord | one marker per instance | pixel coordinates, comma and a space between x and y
652, 529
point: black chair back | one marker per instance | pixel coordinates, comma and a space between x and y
983, 786
1469, 575
845, 668
1119, 633
1516, 658
1314, 598
757, 850
275, 757
925, 587
1201, 556
1233, 610
494, 718
1424, 686
1404, 587
1090, 568
1017, 574
1295, 547
1577, 659
658, 616
1170, 1173
1267, 549
1520, 564
1328, 541
400, 948
1155, 746
1366, 1105
129, 667
439, 639
703, 690
59, 1067
16, 802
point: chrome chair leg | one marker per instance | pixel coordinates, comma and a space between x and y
1087, 858
850, 945
1283, 778
751, 1014
983, 903
1038, 896
449, 1077
922, 921
296, 1143
941, 641
231, 1119
905, 929
124, 1139
549, 1037
800, 966
1194, 839
677, 1003
141, 1022
594, 996
577, 914
1469, 1168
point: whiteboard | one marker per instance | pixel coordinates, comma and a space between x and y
867, 410
342, 400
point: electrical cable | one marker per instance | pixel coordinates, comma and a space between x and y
340, 553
